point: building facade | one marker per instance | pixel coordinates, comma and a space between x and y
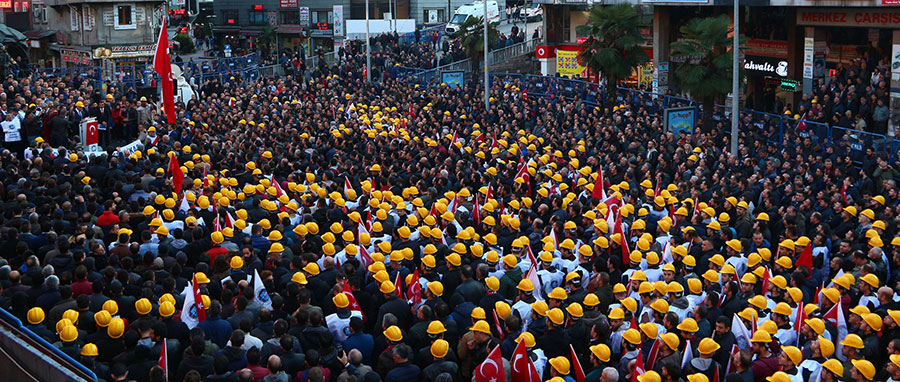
792, 45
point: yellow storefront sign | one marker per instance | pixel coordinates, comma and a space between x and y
567, 63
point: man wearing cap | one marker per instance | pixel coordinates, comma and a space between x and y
439, 350
393, 304
705, 363
555, 341
339, 322
473, 352
765, 363
511, 277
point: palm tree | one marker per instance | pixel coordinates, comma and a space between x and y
471, 35
614, 43
706, 61
266, 39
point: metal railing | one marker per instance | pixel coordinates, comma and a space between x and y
431, 77
512, 51
780, 130
49, 357
243, 67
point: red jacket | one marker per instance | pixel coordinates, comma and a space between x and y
107, 218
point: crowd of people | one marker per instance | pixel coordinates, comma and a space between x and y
328, 229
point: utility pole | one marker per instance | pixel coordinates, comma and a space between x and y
368, 51
735, 85
487, 86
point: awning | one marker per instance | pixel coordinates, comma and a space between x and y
289, 29
8, 35
39, 34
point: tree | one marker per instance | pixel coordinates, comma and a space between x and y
705, 67
613, 46
471, 35
185, 43
266, 39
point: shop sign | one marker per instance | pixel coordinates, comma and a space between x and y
127, 51
863, 17
304, 15
765, 66
338, 11
890, 2
289, 3
545, 51
809, 49
567, 63
75, 57
766, 48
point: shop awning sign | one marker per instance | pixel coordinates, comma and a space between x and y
765, 66
128, 51
862, 17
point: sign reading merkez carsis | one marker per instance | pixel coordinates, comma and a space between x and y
765, 66
882, 18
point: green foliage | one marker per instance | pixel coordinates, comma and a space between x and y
266, 39
706, 70
185, 43
614, 41
471, 35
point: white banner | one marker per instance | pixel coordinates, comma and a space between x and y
338, 20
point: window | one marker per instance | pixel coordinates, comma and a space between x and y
433, 16
125, 17
258, 17
231, 16
323, 17
289, 17
40, 13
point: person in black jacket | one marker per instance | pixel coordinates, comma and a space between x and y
394, 305
195, 360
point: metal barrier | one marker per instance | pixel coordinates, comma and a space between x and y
36, 341
143, 75
512, 51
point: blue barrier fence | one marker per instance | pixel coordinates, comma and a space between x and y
16, 323
782, 130
245, 67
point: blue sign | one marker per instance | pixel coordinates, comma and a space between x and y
453, 79
681, 120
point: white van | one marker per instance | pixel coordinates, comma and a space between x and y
476, 10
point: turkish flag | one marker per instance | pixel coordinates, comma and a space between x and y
354, 305
476, 211
806, 258
91, 134
177, 175
639, 367
801, 317
491, 370
414, 289
576, 366
198, 300
599, 193
522, 368
164, 361
162, 65
499, 328
618, 229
